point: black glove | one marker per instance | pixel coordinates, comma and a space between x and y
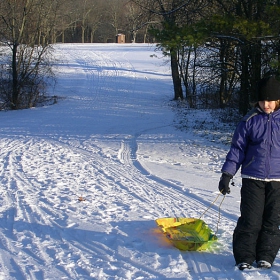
224, 183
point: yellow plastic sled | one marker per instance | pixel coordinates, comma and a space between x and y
187, 234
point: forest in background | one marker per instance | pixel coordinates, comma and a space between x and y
218, 49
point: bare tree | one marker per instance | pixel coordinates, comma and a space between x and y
172, 15
64, 17
88, 17
26, 67
94, 19
138, 21
116, 15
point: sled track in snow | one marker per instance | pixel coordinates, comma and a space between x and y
103, 73
133, 179
30, 204
169, 191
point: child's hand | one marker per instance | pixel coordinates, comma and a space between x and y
224, 183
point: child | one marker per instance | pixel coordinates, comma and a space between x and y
256, 147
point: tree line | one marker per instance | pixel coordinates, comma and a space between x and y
218, 49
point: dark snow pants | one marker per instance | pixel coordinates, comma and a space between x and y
257, 233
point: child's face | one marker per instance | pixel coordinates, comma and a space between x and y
267, 106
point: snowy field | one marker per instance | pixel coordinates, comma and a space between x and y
83, 181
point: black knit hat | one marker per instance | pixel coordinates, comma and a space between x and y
269, 89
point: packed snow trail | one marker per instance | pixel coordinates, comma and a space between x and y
112, 142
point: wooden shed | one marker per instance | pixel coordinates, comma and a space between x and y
120, 38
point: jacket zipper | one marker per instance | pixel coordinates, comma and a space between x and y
268, 150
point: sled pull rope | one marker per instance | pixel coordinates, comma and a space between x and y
219, 216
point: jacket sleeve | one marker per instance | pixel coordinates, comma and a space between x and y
236, 154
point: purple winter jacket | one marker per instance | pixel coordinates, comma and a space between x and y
255, 146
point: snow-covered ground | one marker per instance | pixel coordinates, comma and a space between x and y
83, 181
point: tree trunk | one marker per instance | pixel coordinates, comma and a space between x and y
244, 81
256, 61
15, 77
223, 74
278, 55
83, 33
178, 92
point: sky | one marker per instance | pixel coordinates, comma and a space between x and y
84, 180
